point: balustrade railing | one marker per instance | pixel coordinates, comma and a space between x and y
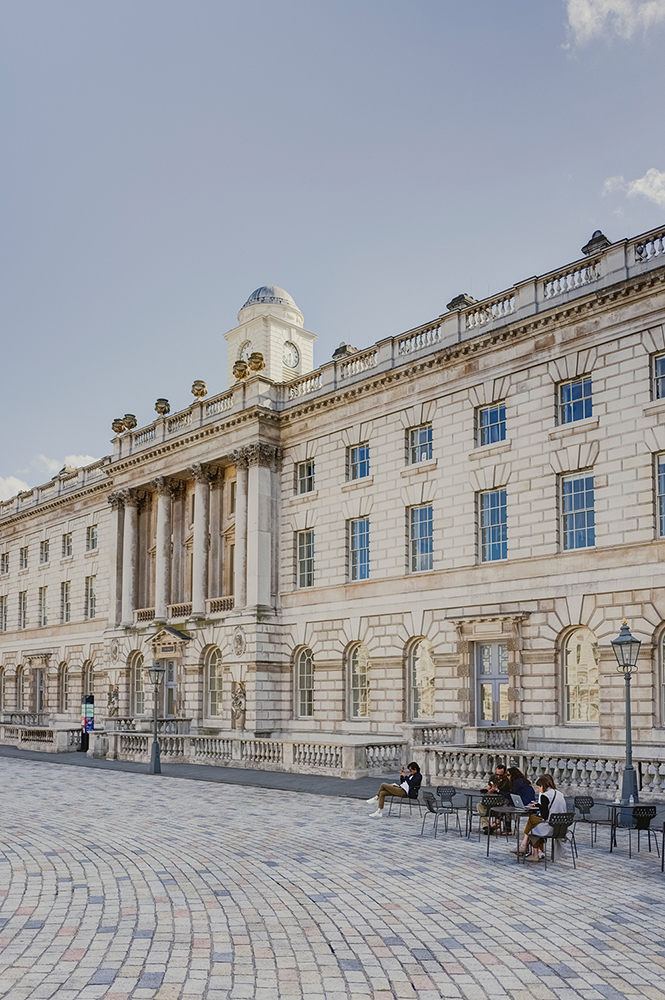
179, 610
220, 404
218, 604
144, 435
262, 751
179, 422
433, 735
652, 247
571, 278
358, 363
41, 737
144, 614
211, 748
317, 755
488, 311
303, 386
384, 755
418, 341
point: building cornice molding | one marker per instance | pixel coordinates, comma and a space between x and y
53, 504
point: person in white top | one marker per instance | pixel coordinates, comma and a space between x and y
549, 801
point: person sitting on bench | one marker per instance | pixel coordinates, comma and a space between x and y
408, 787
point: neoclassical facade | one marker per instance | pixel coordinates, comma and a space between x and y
439, 534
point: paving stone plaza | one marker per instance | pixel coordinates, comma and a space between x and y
118, 885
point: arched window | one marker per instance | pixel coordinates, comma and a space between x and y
305, 683
137, 685
63, 685
359, 682
88, 677
214, 672
20, 689
421, 679
581, 676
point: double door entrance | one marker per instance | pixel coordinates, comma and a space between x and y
492, 683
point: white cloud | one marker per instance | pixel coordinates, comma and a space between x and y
78, 461
10, 486
651, 186
589, 19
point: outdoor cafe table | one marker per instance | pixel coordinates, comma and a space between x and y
470, 796
613, 810
507, 811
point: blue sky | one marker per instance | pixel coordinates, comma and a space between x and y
160, 160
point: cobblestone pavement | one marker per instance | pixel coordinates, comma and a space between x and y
120, 885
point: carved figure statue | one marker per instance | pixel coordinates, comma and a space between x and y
238, 704
113, 701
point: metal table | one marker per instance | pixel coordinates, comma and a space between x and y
470, 796
613, 811
507, 811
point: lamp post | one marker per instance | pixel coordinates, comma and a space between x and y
626, 649
155, 673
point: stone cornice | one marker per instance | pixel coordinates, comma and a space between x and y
52, 504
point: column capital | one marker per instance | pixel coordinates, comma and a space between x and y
164, 486
239, 457
261, 453
116, 500
202, 473
131, 497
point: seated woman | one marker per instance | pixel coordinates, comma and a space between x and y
408, 787
537, 827
519, 785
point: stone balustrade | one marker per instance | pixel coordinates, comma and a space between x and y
219, 604
179, 610
41, 738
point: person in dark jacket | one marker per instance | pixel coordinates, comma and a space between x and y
498, 784
408, 787
520, 786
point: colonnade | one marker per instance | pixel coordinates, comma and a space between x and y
256, 536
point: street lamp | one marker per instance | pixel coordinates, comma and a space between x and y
155, 673
626, 649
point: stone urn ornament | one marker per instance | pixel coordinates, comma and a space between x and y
199, 388
118, 425
129, 421
241, 369
256, 362
162, 407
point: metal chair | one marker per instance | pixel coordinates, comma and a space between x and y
563, 828
432, 808
401, 800
584, 804
489, 802
446, 795
640, 821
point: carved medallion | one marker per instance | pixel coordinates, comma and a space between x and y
115, 650
239, 641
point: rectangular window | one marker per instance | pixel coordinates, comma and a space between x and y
577, 511
232, 497
3, 614
491, 424
23, 557
44, 551
23, 609
660, 494
305, 477
359, 461
359, 539
420, 538
4, 563
305, 558
575, 402
90, 597
65, 602
493, 537
42, 613
659, 377
66, 544
420, 444
91, 538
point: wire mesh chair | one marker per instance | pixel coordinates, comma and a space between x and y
446, 795
432, 808
640, 820
563, 828
584, 804
490, 802
400, 800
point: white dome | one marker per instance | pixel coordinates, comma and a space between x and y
269, 293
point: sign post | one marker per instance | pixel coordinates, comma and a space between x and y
87, 720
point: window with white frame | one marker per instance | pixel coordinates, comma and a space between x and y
90, 597
42, 613
305, 477
491, 424
3, 614
575, 400
492, 511
91, 538
421, 538
65, 601
64, 688
577, 511
421, 677
358, 461
420, 444
23, 557
581, 676
4, 563
214, 672
305, 683
359, 548
138, 688
659, 376
20, 690
44, 551
22, 609
660, 494
359, 682
305, 558
67, 544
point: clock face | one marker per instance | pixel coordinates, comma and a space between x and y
291, 357
245, 351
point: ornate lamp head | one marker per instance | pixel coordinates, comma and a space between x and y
241, 369
626, 649
155, 673
199, 388
256, 362
162, 407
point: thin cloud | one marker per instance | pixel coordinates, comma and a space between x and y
10, 486
40, 469
651, 186
590, 19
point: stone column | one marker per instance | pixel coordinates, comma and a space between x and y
239, 459
261, 458
164, 489
115, 568
201, 476
131, 500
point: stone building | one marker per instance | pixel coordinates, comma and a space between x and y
426, 543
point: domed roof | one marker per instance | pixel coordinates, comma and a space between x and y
269, 293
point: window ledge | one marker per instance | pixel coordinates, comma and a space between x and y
354, 484
655, 406
301, 497
416, 467
491, 449
66, 559
587, 424
44, 565
91, 553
